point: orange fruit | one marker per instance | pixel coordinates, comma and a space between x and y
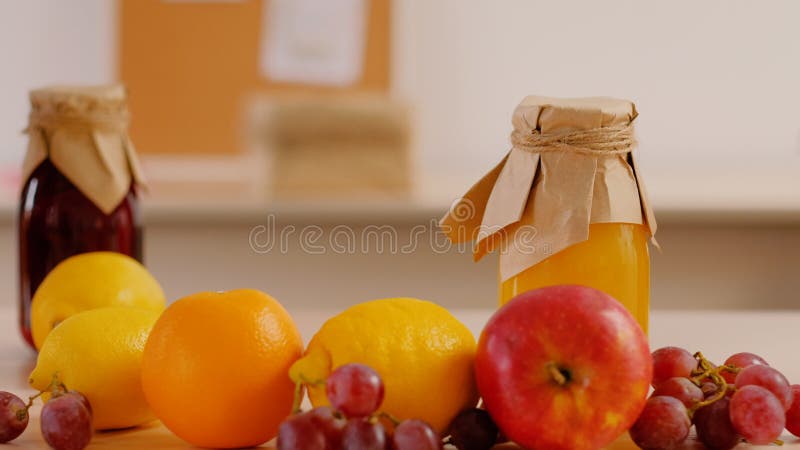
215, 368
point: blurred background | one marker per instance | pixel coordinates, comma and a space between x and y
261, 118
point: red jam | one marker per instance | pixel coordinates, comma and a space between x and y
57, 221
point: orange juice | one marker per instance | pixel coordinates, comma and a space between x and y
614, 259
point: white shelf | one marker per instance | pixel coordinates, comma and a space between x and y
178, 212
703, 199
773, 201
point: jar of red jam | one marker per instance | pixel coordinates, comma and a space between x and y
81, 179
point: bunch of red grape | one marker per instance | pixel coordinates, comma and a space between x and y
66, 420
355, 392
742, 400
352, 422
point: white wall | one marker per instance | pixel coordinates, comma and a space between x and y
717, 82
44, 42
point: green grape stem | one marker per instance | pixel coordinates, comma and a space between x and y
706, 370
31, 399
385, 415
56, 387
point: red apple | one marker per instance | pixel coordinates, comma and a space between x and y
563, 367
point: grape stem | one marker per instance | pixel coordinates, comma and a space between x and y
705, 370
55, 386
31, 399
385, 415
22, 414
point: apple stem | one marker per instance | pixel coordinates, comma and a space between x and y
556, 373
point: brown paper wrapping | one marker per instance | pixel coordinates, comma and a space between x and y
83, 131
535, 204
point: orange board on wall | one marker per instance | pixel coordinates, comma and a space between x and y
190, 67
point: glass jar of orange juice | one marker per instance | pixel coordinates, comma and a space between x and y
566, 205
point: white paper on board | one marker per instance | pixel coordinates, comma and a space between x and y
313, 41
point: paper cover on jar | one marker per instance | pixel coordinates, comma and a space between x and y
571, 164
84, 133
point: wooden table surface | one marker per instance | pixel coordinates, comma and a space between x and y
771, 334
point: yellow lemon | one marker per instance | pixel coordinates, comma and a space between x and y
99, 354
91, 280
423, 354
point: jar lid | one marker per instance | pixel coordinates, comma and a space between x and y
83, 131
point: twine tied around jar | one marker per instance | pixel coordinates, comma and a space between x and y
604, 141
48, 119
